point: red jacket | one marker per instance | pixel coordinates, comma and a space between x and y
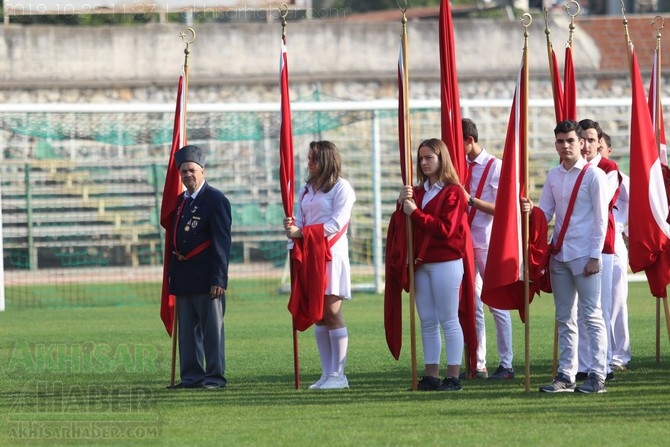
608, 166
444, 227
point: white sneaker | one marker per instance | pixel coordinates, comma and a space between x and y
335, 381
316, 385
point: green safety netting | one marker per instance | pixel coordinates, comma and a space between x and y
122, 129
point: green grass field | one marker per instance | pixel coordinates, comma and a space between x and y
97, 376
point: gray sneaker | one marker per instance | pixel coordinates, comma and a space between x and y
592, 385
561, 384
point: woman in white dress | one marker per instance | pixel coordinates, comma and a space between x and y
326, 198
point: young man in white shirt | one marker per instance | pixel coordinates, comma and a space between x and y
619, 335
481, 191
575, 267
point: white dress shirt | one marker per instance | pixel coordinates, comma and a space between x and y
585, 235
482, 222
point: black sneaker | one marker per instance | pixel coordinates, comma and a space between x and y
502, 373
610, 377
428, 383
561, 384
450, 384
581, 376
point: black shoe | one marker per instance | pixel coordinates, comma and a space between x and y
581, 376
428, 383
610, 377
450, 384
502, 373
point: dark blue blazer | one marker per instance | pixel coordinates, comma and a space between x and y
208, 218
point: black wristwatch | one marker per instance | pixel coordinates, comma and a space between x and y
471, 202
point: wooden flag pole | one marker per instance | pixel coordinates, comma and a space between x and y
408, 182
283, 11
526, 216
175, 320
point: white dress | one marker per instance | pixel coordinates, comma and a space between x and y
333, 210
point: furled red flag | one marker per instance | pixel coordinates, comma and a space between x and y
286, 176
565, 96
396, 269
653, 98
306, 302
570, 87
649, 232
452, 135
557, 87
503, 286
171, 191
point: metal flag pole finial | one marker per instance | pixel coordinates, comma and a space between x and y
547, 31
188, 41
403, 9
572, 13
283, 10
529, 20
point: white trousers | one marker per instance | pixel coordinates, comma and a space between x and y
501, 319
576, 294
619, 336
437, 288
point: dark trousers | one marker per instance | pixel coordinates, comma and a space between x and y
201, 339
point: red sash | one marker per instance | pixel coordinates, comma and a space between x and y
480, 188
571, 205
197, 250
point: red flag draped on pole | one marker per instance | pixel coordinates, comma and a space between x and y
503, 286
569, 87
649, 232
286, 176
287, 186
171, 191
556, 86
305, 303
452, 135
397, 273
565, 95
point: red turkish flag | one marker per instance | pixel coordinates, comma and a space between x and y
452, 135
396, 269
649, 232
171, 191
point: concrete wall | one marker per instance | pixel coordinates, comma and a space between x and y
350, 60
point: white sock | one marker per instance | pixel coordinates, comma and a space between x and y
339, 339
325, 351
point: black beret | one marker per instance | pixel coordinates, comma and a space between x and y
190, 153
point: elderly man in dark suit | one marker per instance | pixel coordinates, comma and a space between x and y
199, 273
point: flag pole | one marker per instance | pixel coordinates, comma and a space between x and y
659, 23
627, 36
175, 324
283, 10
526, 216
630, 68
550, 51
408, 182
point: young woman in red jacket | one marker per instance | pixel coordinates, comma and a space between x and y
437, 208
